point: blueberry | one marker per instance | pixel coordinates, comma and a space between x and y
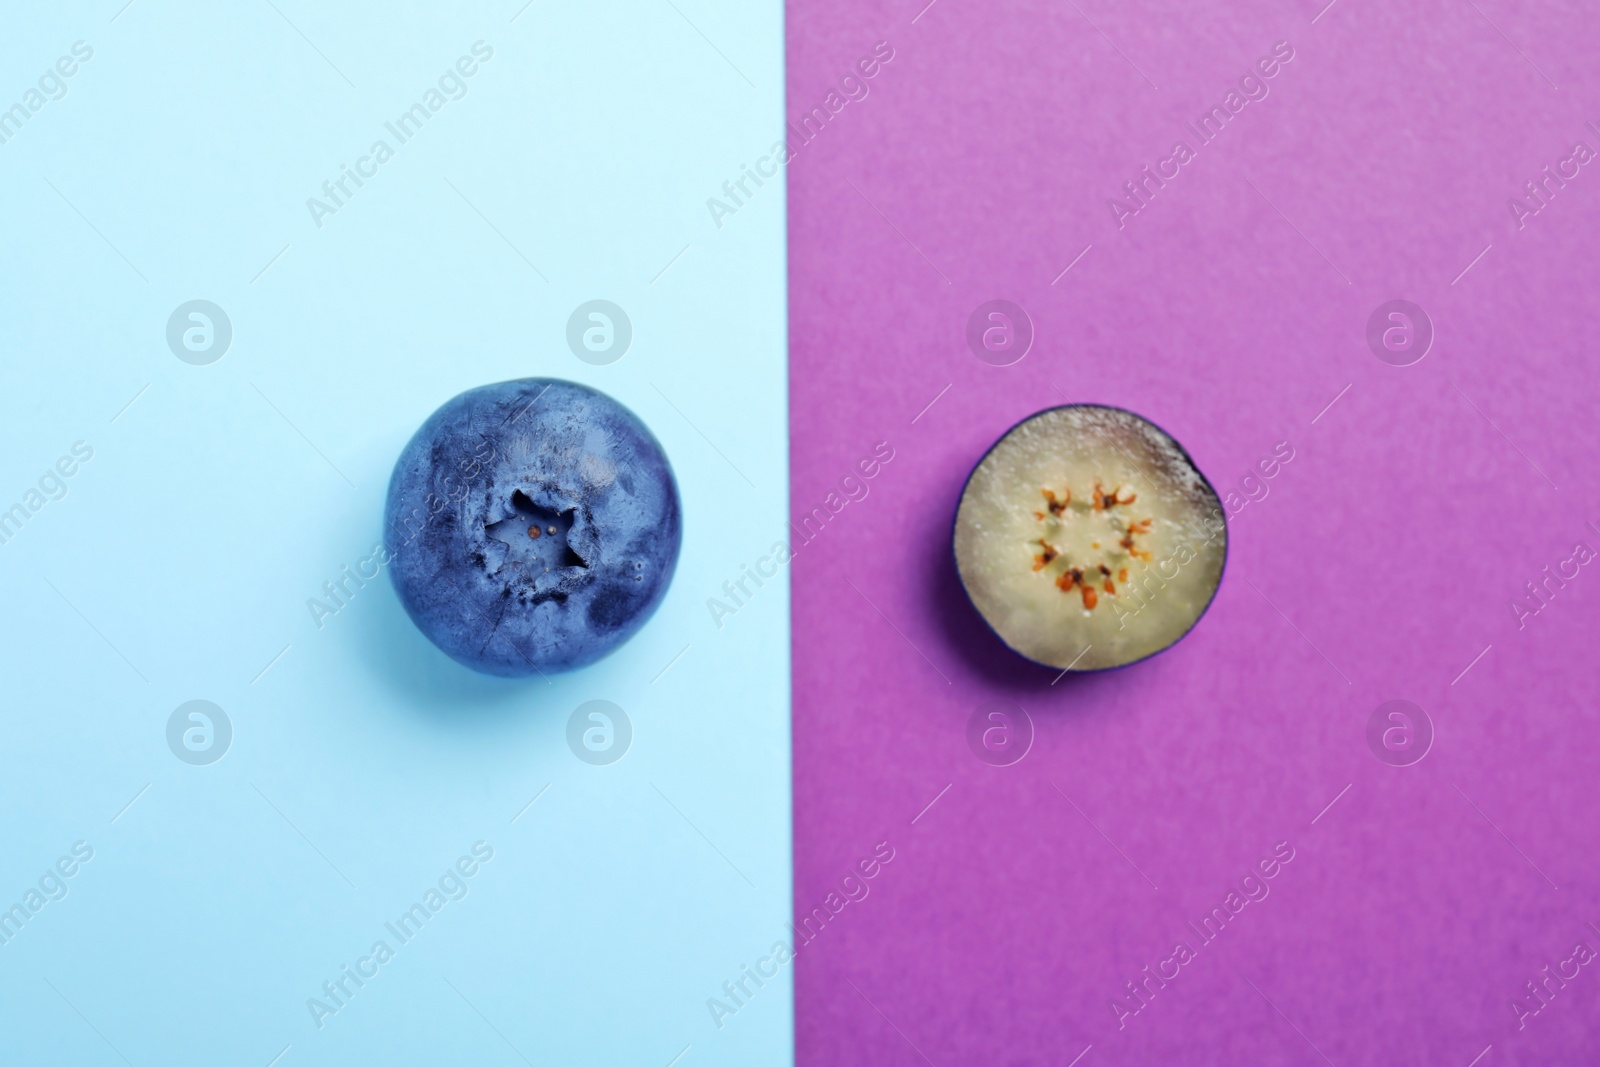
1088, 539
534, 526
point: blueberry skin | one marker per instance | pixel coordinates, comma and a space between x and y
499, 462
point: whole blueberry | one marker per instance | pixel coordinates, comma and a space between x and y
533, 526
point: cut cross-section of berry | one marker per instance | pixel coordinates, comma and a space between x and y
1088, 539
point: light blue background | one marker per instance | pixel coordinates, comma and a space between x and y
206, 519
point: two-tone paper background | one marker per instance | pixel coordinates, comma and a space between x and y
571, 164
800, 318
1230, 306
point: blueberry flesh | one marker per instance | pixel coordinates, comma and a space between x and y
534, 526
1088, 539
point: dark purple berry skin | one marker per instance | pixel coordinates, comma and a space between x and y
533, 526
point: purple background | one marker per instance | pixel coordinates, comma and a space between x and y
1382, 563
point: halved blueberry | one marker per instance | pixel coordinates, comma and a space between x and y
1087, 538
534, 526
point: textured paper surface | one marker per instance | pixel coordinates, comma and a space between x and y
1381, 564
572, 164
